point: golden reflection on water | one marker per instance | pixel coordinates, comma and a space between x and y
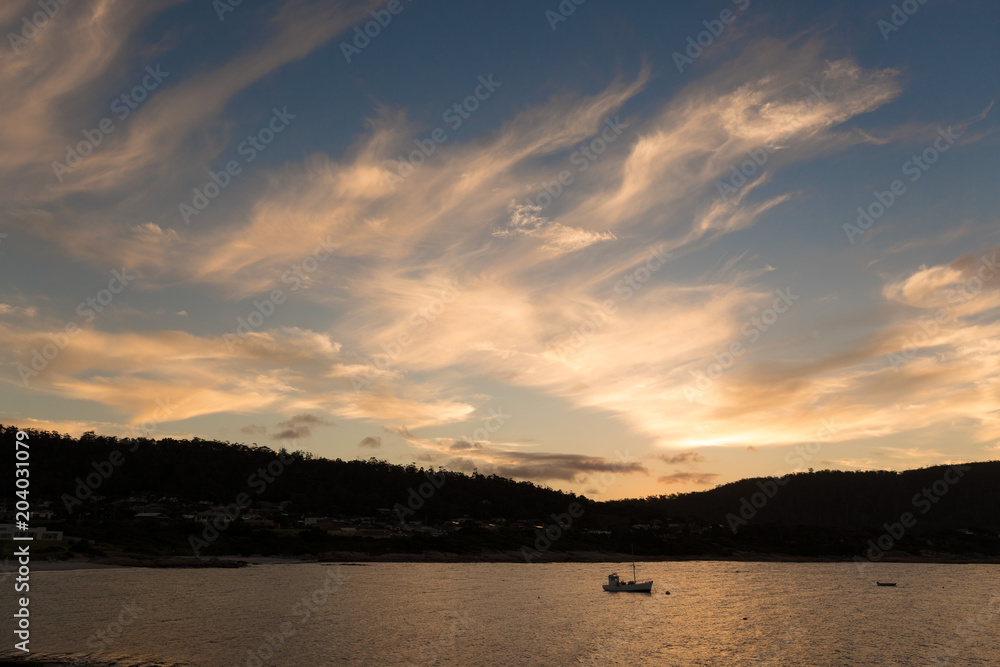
717, 613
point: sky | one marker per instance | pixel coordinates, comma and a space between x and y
620, 249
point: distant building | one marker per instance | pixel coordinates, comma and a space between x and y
213, 516
313, 520
152, 508
7, 532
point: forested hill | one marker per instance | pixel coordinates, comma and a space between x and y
205, 470
941, 497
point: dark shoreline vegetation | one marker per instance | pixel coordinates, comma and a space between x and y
95, 486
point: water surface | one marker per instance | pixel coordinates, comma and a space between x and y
717, 613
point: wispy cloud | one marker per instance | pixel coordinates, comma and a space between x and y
511, 460
696, 478
299, 426
535, 283
682, 458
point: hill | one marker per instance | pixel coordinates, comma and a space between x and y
172, 497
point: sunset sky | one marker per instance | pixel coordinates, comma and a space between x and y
509, 236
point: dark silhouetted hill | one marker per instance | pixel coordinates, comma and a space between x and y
953, 509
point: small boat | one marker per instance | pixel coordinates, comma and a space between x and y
616, 585
885, 583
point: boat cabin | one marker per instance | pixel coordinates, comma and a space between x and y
615, 580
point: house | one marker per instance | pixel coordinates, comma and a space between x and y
314, 520
7, 532
213, 516
151, 508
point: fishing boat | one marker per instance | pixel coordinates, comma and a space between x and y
616, 585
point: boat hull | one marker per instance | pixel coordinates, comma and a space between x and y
641, 587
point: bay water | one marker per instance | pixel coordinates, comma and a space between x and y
716, 613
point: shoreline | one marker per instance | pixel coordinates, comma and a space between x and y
610, 557
362, 558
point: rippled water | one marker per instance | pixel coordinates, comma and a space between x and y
513, 614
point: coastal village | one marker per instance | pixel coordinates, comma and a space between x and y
273, 517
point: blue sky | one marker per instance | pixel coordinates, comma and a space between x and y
627, 336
